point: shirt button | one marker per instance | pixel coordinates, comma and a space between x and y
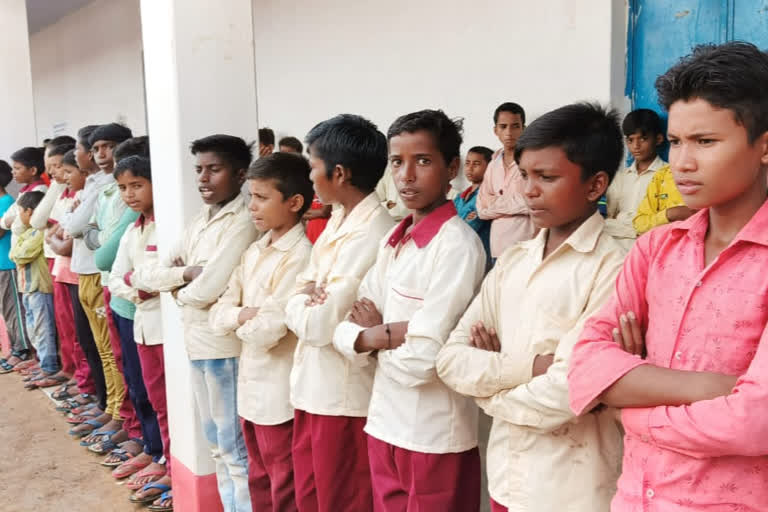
650, 493
678, 355
698, 285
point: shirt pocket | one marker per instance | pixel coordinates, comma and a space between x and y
402, 302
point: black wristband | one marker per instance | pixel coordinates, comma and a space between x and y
389, 336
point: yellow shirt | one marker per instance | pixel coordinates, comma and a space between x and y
215, 241
540, 456
427, 280
661, 194
265, 279
625, 194
322, 380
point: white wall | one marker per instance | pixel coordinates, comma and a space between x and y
383, 59
87, 69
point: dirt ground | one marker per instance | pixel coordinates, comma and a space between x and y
43, 469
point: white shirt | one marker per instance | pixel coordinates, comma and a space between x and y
541, 457
322, 380
265, 279
426, 278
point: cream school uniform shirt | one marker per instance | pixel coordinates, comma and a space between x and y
138, 247
624, 196
540, 455
322, 380
428, 278
265, 279
214, 240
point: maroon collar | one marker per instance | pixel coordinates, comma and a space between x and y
67, 194
31, 186
468, 193
142, 221
424, 231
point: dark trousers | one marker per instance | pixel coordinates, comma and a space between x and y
88, 345
137, 391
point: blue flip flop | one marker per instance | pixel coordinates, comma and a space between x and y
157, 508
95, 424
149, 499
99, 434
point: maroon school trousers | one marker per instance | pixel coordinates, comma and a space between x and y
330, 464
270, 466
153, 370
404, 480
496, 507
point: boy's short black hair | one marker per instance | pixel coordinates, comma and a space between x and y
354, 143
290, 173
643, 120
233, 150
137, 165
266, 136
512, 108
60, 149
138, 146
112, 132
30, 199
486, 153
84, 135
293, 143
30, 157
58, 141
69, 158
6, 175
588, 134
445, 131
730, 76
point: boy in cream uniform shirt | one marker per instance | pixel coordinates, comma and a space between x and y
330, 394
253, 307
511, 349
422, 436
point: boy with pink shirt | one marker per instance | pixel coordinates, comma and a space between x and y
682, 347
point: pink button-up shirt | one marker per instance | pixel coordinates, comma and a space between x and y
501, 200
710, 455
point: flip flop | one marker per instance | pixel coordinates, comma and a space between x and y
95, 424
51, 381
103, 447
162, 508
123, 457
83, 417
5, 367
130, 467
98, 434
63, 394
141, 474
149, 499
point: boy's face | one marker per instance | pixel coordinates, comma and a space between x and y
83, 157
710, 156
419, 170
102, 154
136, 192
74, 177
474, 167
23, 174
508, 129
323, 185
554, 190
217, 182
25, 214
53, 167
643, 146
269, 210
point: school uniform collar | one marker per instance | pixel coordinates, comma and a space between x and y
285, 243
143, 221
583, 240
31, 186
657, 164
755, 231
426, 229
467, 194
67, 194
232, 207
359, 215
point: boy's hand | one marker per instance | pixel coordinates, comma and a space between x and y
472, 216
629, 336
247, 314
679, 213
484, 339
178, 262
391, 204
541, 364
308, 289
318, 296
75, 205
365, 314
191, 273
11, 218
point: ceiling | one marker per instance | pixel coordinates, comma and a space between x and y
41, 13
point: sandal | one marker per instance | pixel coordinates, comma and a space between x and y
130, 468
50, 381
78, 434
63, 394
84, 416
155, 474
103, 447
97, 434
5, 366
149, 499
162, 508
121, 456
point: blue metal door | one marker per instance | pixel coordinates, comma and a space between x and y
662, 31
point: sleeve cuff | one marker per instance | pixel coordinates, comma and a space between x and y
344, 338
127, 278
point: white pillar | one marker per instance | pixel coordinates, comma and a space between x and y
200, 80
17, 128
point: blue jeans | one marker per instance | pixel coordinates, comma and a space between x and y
41, 327
214, 385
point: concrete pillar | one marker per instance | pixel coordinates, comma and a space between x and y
200, 80
17, 128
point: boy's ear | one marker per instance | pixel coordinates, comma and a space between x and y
599, 184
762, 143
296, 202
342, 173
240, 176
453, 168
659, 139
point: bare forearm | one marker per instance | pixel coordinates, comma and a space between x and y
652, 386
376, 338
